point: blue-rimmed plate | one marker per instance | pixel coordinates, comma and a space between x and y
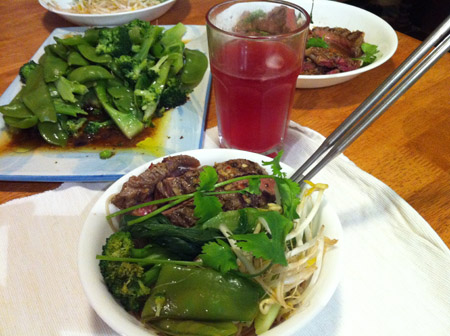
180, 129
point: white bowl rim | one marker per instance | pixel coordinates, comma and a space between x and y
44, 4
116, 320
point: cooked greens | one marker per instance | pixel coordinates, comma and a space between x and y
121, 77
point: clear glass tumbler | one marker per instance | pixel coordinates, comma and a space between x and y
256, 51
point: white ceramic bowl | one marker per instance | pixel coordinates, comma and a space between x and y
336, 14
96, 230
113, 19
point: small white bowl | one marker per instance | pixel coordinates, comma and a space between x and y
96, 230
336, 14
113, 19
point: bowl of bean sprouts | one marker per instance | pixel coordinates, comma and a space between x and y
107, 12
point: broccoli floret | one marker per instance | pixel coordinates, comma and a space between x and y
126, 281
26, 69
114, 41
74, 126
93, 127
174, 94
151, 96
128, 123
131, 68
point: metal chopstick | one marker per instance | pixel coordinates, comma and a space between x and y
359, 120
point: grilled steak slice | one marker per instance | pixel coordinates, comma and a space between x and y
346, 42
182, 214
279, 20
178, 185
324, 57
140, 189
236, 168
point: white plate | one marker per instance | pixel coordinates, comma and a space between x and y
96, 230
184, 131
336, 14
148, 14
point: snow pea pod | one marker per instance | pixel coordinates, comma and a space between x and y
195, 66
22, 123
58, 49
53, 133
195, 328
89, 73
71, 41
203, 294
54, 67
36, 96
75, 58
89, 53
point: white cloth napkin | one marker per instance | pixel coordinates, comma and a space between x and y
396, 269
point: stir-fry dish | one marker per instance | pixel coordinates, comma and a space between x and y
335, 50
213, 250
105, 6
117, 78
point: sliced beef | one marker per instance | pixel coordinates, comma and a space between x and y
140, 189
346, 42
179, 175
326, 58
182, 214
279, 20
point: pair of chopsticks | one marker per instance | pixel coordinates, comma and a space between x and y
378, 101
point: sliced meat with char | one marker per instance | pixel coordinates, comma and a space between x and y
324, 57
346, 42
140, 189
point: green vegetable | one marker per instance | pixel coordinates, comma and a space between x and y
318, 42
89, 73
127, 122
106, 154
127, 282
142, 66
26, 69
93, 127
66, 89
36, 96
90, 54
114, 41
75, 58
53, 133
54, 67
225, 297
219, 256
261, 245
195, 67
370, 52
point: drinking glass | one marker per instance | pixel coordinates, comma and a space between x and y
256, 51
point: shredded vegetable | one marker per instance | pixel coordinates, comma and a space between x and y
106, 6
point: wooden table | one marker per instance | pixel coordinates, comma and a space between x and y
408, 148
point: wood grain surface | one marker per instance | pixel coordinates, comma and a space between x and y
408, 148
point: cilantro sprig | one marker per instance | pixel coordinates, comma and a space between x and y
370, 53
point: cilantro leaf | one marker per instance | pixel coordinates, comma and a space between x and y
289, 191
275, 165
206, 207
316, 42
219, 256
253, 186
264, 245
370, 51
208, 178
